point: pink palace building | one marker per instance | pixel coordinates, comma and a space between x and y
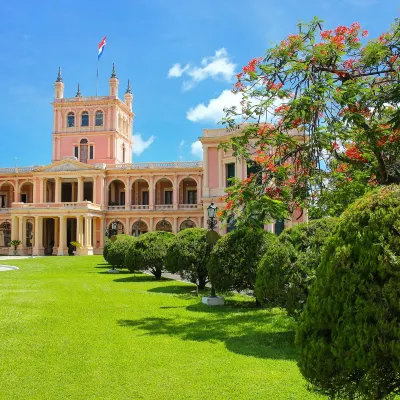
92, 182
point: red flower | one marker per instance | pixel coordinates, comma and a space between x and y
335, 146
355, 154
393, 59
364, 33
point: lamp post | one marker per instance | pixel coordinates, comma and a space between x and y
31, 243
212, 223
110, 233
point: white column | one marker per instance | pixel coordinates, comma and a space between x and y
102, 230
57, 197
35, 250
88, 233
62, 249
14, 227
95, 189
80, 188
41, 193
21, 231
16, 191
199, 189
73, 192
220, 183
175, 193
56, 235
127, 193
205, 170
102, 191
151, 194
79, 230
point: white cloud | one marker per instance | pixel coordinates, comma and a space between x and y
139, 145
218, 66
182, 143
197, 149
177, 70
214, 111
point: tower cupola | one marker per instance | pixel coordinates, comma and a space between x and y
114, 82
59, 86
128, 96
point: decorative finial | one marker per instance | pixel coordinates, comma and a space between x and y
59, 78
128, 89
113, 74
78, 93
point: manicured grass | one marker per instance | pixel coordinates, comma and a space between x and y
70, 330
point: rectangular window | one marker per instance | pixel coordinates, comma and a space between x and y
254, 169
192, 196
76, 151
3, 203
145, 198
229, 173
23, 198
168, 197
91, 153
122, 199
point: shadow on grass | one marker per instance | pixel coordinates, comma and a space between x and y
255, 334
121, 272
175, 289
140, 278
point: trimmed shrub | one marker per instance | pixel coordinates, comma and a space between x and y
234, 259
348, 334
107, 245
118, 249
188, 256
287, 270
149, 253
133, 255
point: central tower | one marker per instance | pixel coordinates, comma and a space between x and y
95, 129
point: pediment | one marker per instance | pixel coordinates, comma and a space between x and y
66, 165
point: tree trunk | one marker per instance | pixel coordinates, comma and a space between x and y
157, 274
202, 283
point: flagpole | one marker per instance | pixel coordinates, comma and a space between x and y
97, 75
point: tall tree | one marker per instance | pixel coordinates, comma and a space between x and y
321, 120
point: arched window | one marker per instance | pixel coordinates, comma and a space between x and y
138, 228
85, 119
279, 226
5, 234
99, 118
164, 225
29, 234
83, 157
115, 228
187, 224
70, 120
231, 225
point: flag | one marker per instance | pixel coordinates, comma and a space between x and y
101, 47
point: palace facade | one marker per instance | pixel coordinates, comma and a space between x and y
92, 182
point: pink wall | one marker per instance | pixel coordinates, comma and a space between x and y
212, 167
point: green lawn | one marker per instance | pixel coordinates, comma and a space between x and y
70, 330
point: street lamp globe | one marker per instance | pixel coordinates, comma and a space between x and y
212, 210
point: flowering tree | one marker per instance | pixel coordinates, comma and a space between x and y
321, 122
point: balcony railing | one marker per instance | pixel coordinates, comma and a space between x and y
61, 205
139, 207
116, 208
158, 165
188, 206
4, 210
164, 207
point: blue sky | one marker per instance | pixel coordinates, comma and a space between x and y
210, 40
